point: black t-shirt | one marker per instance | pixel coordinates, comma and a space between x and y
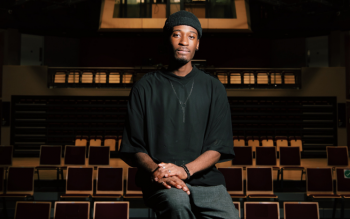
175, 119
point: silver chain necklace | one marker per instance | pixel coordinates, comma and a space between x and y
183, 104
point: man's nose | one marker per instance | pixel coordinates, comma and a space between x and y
184, 41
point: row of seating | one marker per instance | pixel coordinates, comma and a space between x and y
120, 210
278, 141
111, 141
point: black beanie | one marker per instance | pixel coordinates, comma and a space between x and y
182, 18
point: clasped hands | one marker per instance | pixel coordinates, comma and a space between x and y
170, 175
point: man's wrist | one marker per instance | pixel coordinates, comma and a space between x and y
188, 175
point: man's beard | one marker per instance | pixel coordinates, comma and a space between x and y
181, 61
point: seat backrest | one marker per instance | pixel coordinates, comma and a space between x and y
281, 141
301, 210
109, 180
50, 155
267, 141
296, 142
74, 155
99, 156
343, 181
64, 210
337, 156
234, 179
111, 210
81, 140
6, 155
266, 156
244, 156
20, 180
2, 178
290, 156
259, 180
253, 142
37, 210
259, 210
238, 207
131, 187
111, 141
238, 141
95, 141
79, 180
319, 181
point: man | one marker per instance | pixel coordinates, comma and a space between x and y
178, 127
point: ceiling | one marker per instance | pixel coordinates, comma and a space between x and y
269, 18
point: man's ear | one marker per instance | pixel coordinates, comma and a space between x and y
197, 47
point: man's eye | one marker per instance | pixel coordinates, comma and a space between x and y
192, 37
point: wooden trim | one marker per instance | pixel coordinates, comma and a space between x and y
336, 184
239, 208
253, 143
33, 202
109, 156
11, 155
98, 192
80, 191
302, 203
263, 203
281, 143
67, 202
127, 191
58, 165
296, 143
310, 193
347, 152
259, 192
31, 193
104, 202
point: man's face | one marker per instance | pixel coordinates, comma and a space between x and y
184, 43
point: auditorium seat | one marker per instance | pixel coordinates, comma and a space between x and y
253, 141
238, 207
6, 154
111, 210
132, 190
290, 159
99, 156
79, 210
238, 141
337, 156
266, 141
267, 156
301, 210
95, 140
81, 140
32, 210
281, 141
109, 182
20, 183
2, 179
79, 182
244, 156
296, 141
74, 155
343, 181
261, 210
260, 183
49, 158
234, 181
111, 140
319, 183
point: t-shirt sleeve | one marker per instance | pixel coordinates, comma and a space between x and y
218, 136
133, 140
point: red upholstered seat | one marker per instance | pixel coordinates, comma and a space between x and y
290, 156
35, 210
109, 182
99, 155
234, 181
111, 210
74, 155
20, 182
343, 184
50, 155
79, 182
337, 156
132, 190
76, 210
6, 155
301, 210
319, 181
244, 156
259, 210
259, 182
266, 156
